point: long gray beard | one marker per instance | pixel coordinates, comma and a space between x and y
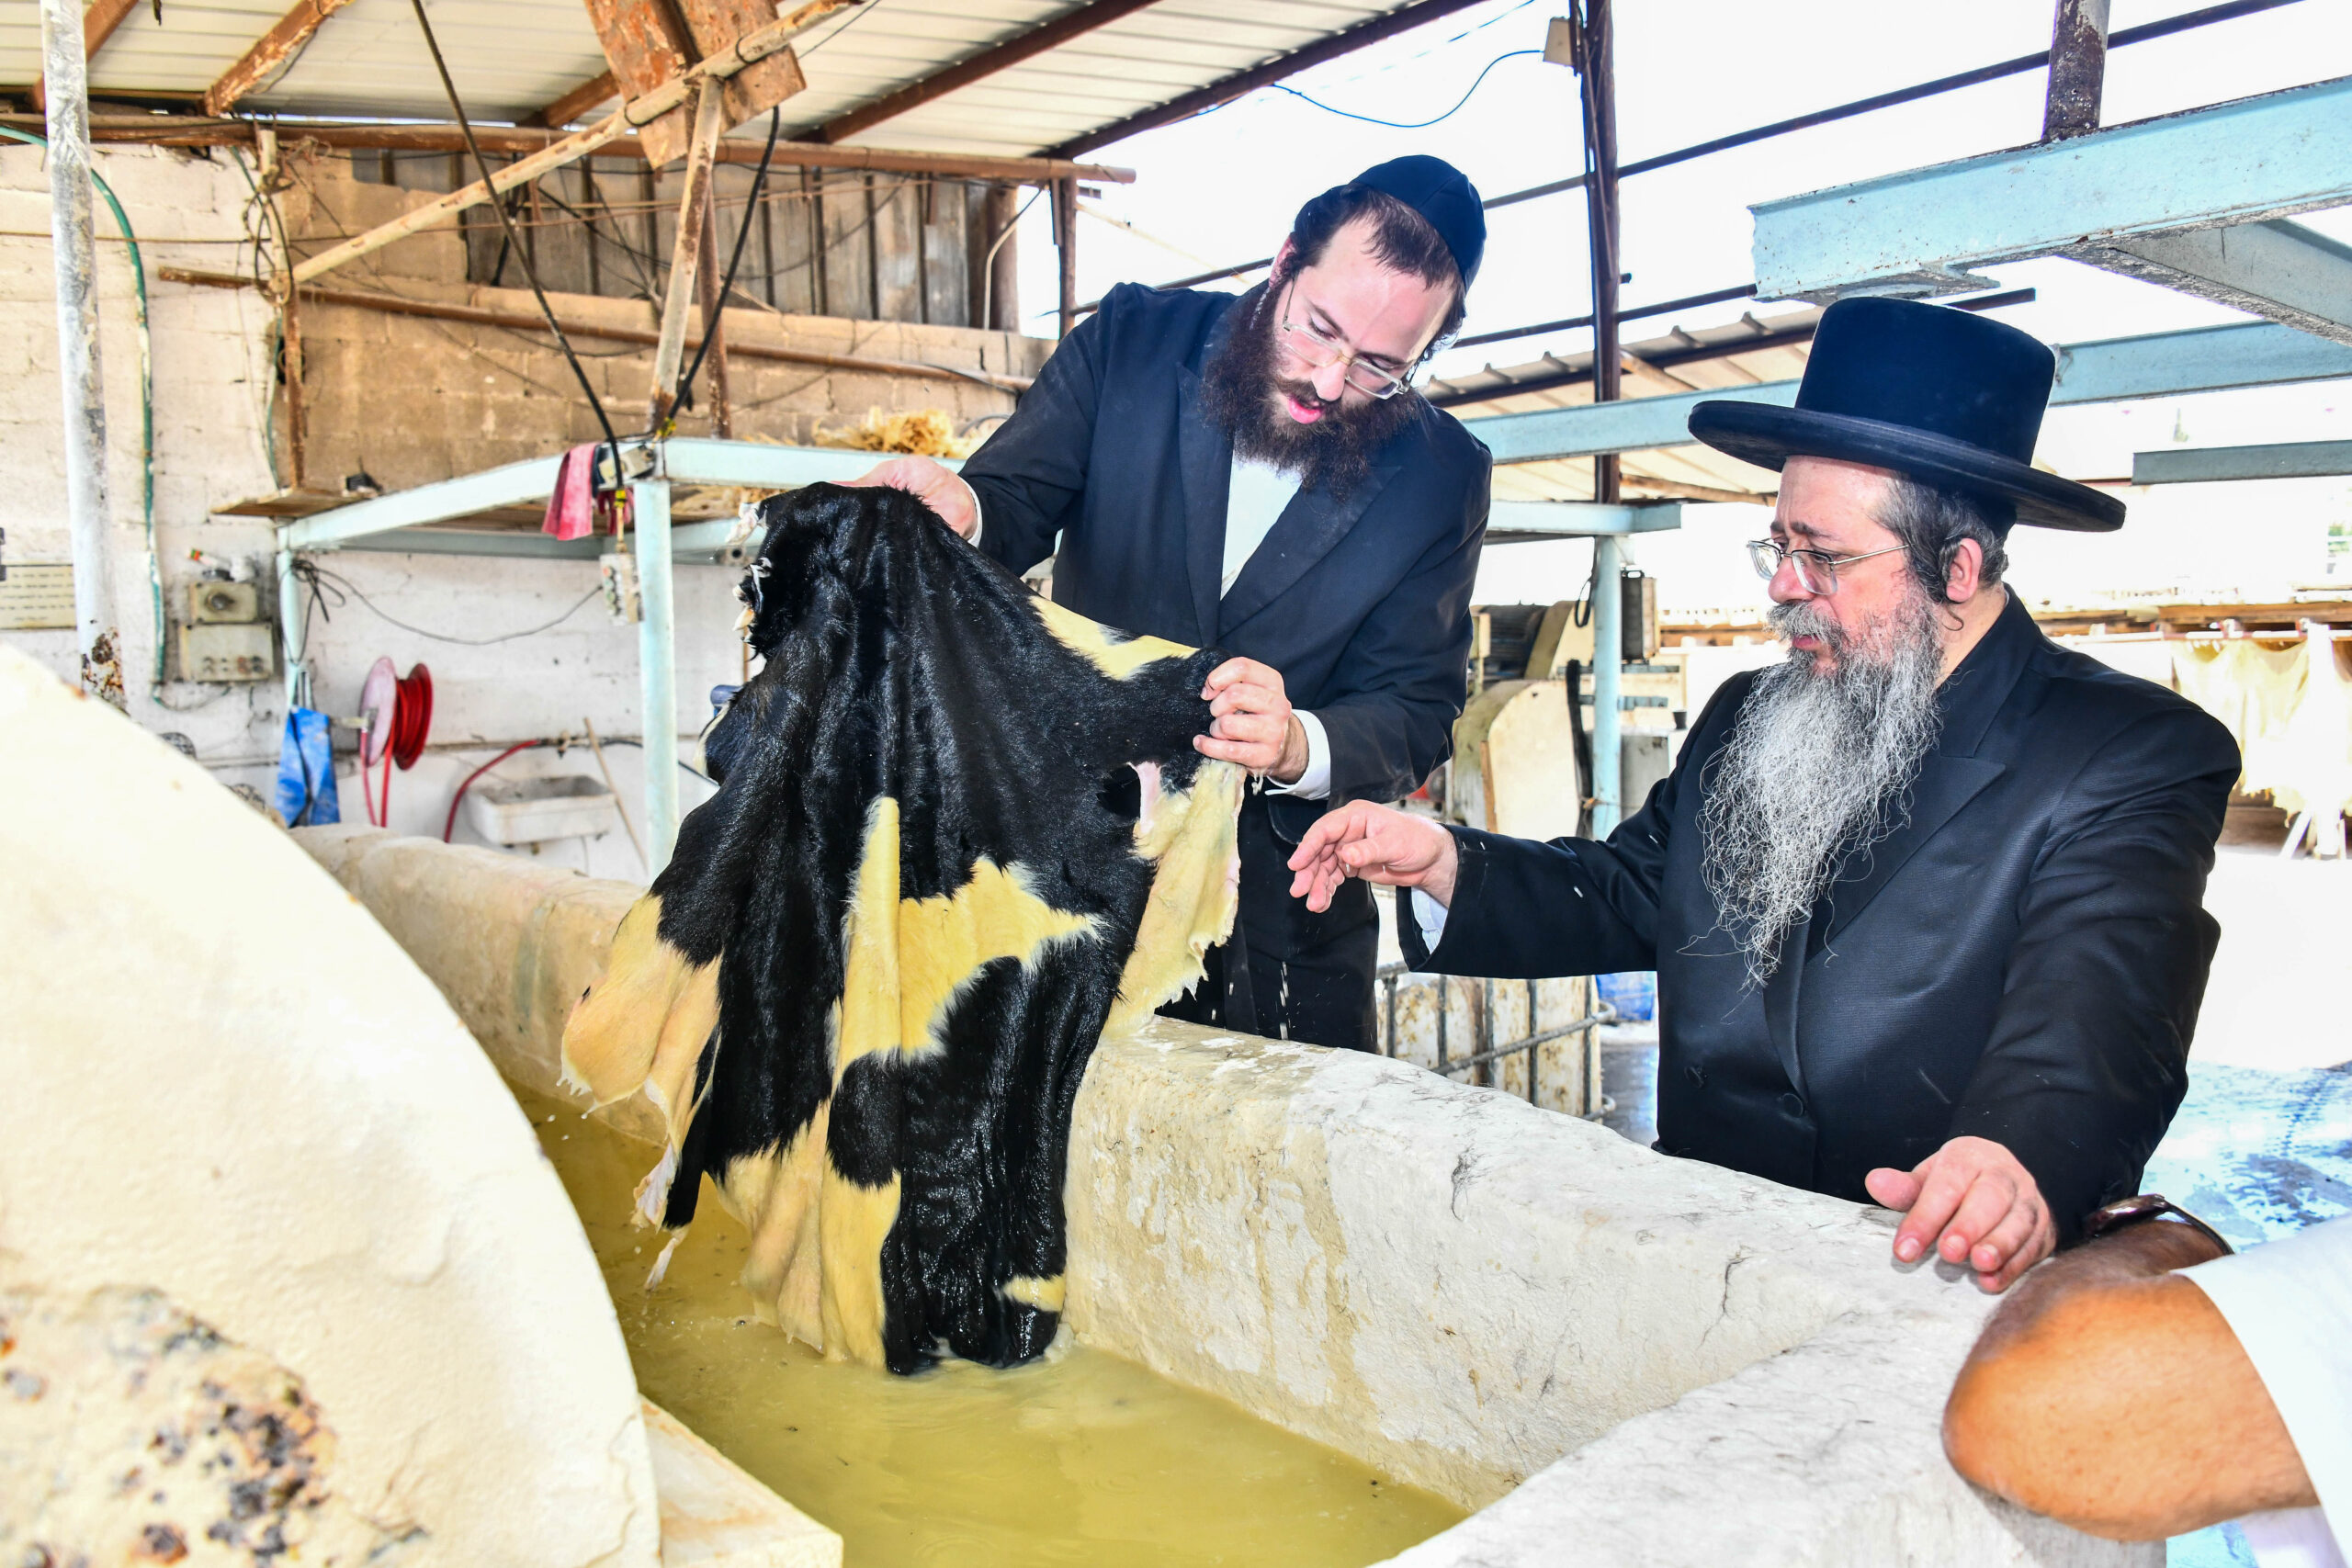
1819, 766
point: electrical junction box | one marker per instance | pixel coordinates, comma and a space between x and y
623, 599
235, 651
214, 602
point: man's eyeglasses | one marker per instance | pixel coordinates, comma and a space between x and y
1319, 350
1816, 569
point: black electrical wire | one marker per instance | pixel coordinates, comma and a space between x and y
324, 583
1399, 125
727, 285
507, 222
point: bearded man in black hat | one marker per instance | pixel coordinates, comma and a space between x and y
1925, 900
1257, 474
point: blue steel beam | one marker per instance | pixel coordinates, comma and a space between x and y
1921, 230
1525, 522
2295, 276
2202, 465
2160, 365
515, 484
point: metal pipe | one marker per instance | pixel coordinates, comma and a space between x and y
2077, 69
1608, 663
657, 668
1461, 1063
291, 633
74, 247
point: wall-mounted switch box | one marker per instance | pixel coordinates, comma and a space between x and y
232, 651
214, 602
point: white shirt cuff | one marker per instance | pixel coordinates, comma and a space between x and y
1429, 915
977, 519
1316, 783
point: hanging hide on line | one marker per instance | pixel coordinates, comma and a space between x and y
961, 833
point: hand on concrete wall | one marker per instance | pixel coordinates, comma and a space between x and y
1973, 1200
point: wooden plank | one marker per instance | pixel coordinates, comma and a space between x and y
269, 54
714, 24
685, 255
648, 47
848, 253
946, 269
898, 251
988, 63
176, 130
597, 90
519, 320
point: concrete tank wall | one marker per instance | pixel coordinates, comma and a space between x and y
1616, 1356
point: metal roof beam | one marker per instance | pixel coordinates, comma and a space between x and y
2207, 359
1225, 90
269, 54
988, 63
2203, 465
2295, 275
1921, 231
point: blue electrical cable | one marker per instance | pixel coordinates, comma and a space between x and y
1399, 125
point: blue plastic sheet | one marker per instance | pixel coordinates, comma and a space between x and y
1634, 995
306, 797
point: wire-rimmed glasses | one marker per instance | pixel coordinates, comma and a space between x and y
1319, 350
1816, 569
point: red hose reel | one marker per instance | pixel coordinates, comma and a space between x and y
397, 711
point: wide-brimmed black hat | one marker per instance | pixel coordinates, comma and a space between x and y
1939, 394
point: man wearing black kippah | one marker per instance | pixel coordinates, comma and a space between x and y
1257, 474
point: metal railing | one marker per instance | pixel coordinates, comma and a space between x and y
1392, 976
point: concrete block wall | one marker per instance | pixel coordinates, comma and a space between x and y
410, 401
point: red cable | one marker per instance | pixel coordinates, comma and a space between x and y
412, 720
455, 800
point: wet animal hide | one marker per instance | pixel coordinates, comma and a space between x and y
961, 834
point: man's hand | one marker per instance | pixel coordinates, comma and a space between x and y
1250, 722
1972, 1201
934, 485
1378, 844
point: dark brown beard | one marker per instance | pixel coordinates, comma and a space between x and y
1241, 393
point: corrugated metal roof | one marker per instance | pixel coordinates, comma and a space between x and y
511, 58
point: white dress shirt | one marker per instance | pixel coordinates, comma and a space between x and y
2289, 1303
1255, 496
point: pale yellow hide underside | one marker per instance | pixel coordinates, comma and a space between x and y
814, 1267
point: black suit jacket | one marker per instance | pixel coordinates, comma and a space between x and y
1362, 603
2022, 961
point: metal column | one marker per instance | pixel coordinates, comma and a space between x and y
657, 665
1607, 660
75, 247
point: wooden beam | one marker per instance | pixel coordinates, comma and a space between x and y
172, 130
1240, 82
530, 322
743, 53
575, 103
98, 24
988, 63
685, 255
273, 50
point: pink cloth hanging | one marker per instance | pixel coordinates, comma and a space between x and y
571, 508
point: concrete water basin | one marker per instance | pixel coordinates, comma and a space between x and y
1603, 1355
